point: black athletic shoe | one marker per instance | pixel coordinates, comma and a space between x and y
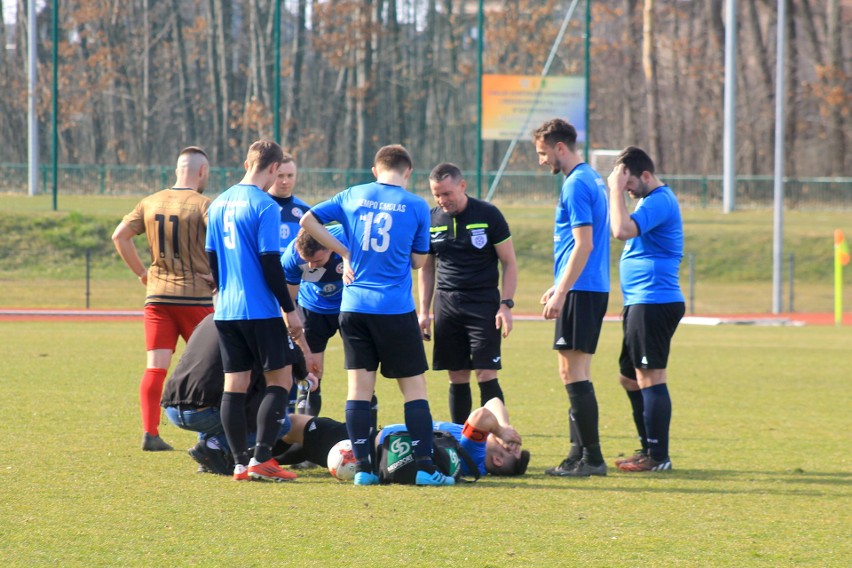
151, 443
580, 468
214, 461
567, 464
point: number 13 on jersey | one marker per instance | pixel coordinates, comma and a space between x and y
382, 223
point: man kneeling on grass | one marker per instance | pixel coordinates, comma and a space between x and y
487, 436
193, 394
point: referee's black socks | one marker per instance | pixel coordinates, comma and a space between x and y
490, 389
460, 402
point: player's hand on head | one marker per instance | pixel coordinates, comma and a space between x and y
618, 177
509, 438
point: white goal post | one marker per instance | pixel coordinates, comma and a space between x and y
602, 161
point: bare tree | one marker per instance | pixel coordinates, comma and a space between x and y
649, 65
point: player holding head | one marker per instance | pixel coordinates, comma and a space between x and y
292, 208
469, 238
579, 297
388, 231
487, 436
177, 281
243, 248
653, 301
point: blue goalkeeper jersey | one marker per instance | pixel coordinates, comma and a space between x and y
320, 289
583, 202
650, 262
476, 450
383, 224
292, 209
243, 223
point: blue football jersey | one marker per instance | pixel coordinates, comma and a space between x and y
383, 224
320, 289
583, 202
292, 209
243, 223
650, 262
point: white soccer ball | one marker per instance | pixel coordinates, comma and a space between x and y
341, 461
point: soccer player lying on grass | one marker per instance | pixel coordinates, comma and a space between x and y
193, 394
487, 436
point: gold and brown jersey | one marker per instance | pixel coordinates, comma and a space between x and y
175, 222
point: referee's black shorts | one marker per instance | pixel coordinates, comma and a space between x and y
579, 323
394, 341
264, 342
465, 335
319, 328
648, 331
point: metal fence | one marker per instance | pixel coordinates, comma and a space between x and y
817, 193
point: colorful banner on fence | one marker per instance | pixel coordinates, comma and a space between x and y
518, 104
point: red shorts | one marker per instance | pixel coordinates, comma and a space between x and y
164, 323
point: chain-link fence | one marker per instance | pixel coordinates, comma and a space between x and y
515, 187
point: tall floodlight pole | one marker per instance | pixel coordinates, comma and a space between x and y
31, 97
55, 105
778, 214
276, 72
729, 149
480, 30
587, 72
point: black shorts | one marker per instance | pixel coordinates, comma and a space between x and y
319, 328
264, 342
321, 434
465, 336
392, 340
579, 323
648, 331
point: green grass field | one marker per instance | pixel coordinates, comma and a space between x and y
760, 439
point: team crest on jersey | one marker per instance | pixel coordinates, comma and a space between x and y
285, 231
339, 268
297, 213
478, 238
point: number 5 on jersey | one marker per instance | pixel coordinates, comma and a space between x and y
229, 229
